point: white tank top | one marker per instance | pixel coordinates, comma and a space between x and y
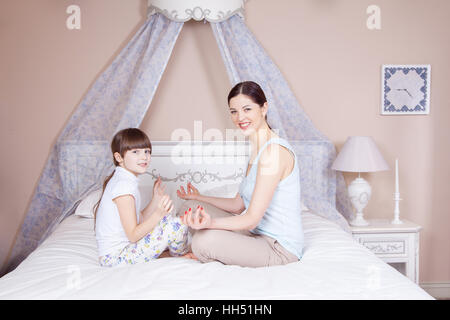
282, 219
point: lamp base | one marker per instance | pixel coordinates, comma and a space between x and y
359, 222
359, 191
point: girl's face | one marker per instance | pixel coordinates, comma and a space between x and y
246, 114
135, 160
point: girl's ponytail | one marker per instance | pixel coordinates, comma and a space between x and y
103, 191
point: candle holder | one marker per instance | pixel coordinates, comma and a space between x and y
396, 198
397, 209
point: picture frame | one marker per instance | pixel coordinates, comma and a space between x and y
405, 89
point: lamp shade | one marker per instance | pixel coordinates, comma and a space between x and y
360, 154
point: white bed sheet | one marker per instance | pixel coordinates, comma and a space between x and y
334, 266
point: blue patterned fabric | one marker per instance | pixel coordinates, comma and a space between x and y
245, 59
81, 158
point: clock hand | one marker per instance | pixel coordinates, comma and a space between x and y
405, 90
408, 92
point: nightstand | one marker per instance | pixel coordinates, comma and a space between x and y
395, 244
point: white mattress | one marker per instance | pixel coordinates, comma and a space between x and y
334, 266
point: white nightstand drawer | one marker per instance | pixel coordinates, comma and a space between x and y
396, 244
386, 245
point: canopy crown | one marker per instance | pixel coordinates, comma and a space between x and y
184, 10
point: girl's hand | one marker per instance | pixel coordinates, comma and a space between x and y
165, 205
191, 194
158, 193
158, 188
198, 219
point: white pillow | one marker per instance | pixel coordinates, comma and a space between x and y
86, 207
304, 208
230, 190
224, 191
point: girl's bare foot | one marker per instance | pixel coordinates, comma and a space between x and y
165, 254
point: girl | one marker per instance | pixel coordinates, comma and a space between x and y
261, 225
124, 234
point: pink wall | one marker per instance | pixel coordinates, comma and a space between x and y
324, 49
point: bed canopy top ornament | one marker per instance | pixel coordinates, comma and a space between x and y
184, 10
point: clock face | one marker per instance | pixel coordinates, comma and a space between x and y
405, 89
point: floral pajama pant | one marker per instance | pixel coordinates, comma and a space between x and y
170, 234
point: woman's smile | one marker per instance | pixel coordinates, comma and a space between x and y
244, 125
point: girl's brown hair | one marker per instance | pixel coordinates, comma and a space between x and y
124, 140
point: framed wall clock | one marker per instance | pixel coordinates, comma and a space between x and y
405, 89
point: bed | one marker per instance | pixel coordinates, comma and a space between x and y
334, 265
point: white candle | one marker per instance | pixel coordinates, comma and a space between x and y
396, 176
396, 198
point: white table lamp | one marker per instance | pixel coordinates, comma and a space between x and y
359, 154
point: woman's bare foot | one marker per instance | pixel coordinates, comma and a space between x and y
189, 255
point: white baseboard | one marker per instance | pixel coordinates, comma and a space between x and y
438, 290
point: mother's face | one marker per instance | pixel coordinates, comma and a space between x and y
246, 114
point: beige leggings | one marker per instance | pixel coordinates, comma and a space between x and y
241, 248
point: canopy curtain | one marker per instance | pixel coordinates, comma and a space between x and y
81, 158
245, 59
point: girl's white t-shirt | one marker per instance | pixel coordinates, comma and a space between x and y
109, 231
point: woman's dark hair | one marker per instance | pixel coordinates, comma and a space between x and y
250, 89
124, 140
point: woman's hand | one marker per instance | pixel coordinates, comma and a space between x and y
191, 194
198, 219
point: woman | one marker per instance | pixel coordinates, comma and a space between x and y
262, 225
